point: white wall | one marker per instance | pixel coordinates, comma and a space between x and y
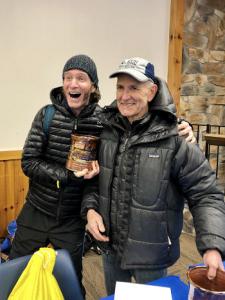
37, 37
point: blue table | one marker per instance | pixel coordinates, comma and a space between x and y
179, 289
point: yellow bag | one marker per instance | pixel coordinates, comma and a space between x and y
37, 281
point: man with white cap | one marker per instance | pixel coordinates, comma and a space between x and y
146, 171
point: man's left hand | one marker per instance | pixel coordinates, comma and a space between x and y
89, 174
212, 259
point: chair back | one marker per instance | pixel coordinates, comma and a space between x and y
63, 271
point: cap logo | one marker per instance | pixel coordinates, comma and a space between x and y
129, 64
133, 64
137, 67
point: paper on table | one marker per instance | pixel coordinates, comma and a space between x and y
136, 291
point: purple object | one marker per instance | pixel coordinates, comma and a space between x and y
5, 244
12, 228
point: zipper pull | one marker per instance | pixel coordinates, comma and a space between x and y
58, 184
75, 124
125, 142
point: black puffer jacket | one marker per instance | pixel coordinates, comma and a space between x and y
53, 189
146, 171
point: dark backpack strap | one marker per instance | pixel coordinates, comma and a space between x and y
49, 113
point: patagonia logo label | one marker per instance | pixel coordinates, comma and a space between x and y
153, 155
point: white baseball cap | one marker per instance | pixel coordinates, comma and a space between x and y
137, 67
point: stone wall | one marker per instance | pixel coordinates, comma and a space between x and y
203, 68
203, 73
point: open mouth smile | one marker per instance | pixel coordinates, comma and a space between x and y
74, 95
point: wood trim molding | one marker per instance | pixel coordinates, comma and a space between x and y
10, 155
175, 49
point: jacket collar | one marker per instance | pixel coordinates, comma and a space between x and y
151, 128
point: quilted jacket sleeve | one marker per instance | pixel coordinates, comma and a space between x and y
90, 196
34, 164
198, 183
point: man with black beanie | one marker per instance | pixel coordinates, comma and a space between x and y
51, 214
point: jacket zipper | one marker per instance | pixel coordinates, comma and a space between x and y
60, 199
125, 143
123, 150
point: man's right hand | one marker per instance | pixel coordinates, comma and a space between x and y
184, 129
96, 226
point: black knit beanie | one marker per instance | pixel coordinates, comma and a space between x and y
84, 63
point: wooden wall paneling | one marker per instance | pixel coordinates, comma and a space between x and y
2, 199
13, 188
175, 49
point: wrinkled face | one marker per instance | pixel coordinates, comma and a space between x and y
77, 87
133, 96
